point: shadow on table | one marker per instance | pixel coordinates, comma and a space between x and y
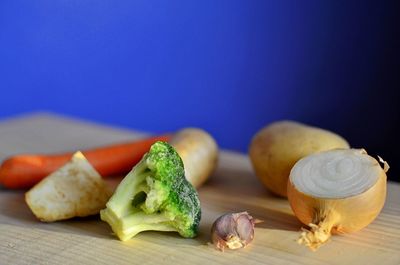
15, 211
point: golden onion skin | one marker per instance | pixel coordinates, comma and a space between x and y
352, 213
339, 215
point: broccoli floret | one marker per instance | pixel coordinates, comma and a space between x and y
155, 195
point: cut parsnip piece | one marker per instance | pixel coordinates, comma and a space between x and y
76, 189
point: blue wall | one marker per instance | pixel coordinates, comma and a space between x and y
228, 66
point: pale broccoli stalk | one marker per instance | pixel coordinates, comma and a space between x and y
155, 195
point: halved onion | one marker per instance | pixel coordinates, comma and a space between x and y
336, 191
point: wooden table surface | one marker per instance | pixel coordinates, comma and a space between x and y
233, 187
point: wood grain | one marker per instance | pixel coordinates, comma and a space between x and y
233, 187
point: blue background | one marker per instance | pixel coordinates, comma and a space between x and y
230, 67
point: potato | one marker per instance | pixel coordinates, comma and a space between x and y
276, 148
76, 189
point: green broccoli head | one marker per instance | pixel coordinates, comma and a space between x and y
155, 195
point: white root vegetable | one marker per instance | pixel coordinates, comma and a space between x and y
337, 191
199, 153
76, 189
276, 148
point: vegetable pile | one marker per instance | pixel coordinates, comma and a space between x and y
331, 188
156, 194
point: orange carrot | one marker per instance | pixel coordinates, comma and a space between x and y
25, 170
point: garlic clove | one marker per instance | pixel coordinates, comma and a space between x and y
233, 231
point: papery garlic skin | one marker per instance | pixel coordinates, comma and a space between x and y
345, 211
233, 230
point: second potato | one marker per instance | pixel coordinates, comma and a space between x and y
276, 148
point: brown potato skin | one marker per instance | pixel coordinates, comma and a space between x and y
277, 147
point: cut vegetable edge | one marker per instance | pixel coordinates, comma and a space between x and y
333, 174
345, 213
74, 190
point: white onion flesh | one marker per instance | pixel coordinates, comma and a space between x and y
335, 174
